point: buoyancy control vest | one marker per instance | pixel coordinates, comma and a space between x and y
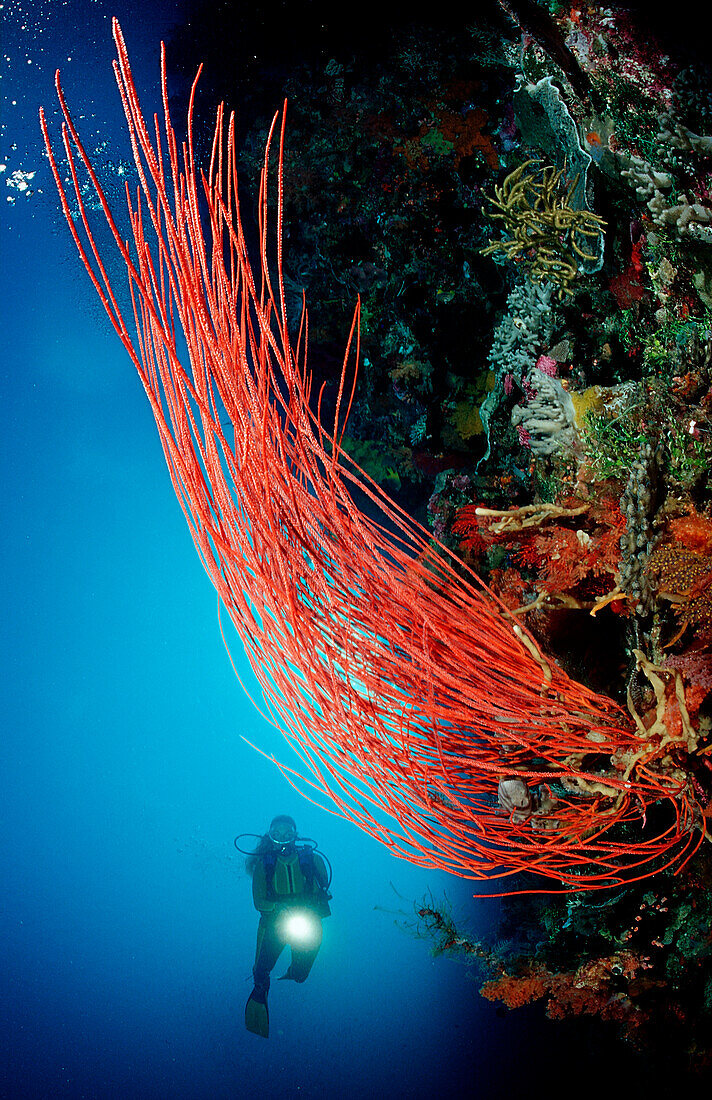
315, 892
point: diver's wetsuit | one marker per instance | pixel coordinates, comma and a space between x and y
295, 879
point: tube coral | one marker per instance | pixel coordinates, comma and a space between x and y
406, 687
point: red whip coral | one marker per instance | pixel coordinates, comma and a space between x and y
406, 701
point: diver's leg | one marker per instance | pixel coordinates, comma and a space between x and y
303, 958
269, 948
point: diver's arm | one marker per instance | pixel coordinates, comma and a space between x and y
259, 889
320, 873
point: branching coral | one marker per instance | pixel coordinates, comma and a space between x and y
660, 187
543, 229
655, 189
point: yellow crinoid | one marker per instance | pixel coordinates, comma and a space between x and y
542, 229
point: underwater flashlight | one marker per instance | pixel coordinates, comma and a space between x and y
299, 928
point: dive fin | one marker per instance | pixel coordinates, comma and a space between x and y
257, 1016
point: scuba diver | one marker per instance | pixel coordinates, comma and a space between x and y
290, 889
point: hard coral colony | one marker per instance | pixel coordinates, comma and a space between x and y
401, 679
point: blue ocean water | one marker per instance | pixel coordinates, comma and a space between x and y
128, 931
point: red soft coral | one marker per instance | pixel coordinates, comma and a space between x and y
515, 992
693, 531
509, 586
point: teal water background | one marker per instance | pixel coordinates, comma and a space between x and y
128, 932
